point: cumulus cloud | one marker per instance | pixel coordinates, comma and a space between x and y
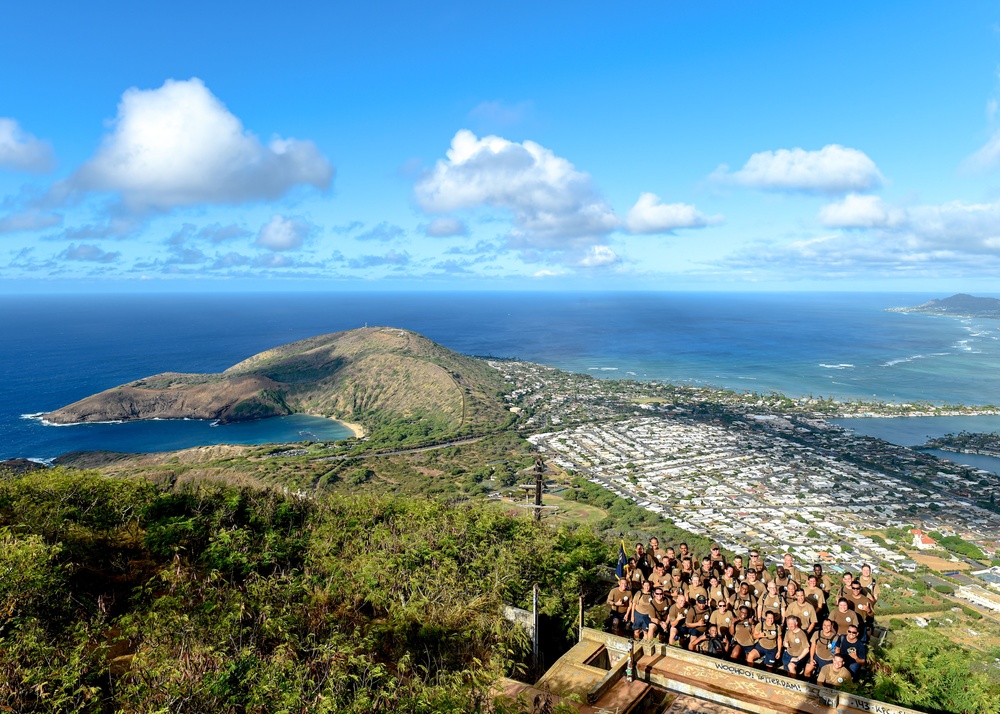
598, 256
21, 151
952, 239
384, 232
89, 253
856, 211
832, 169
445, 227
372, 261
180, 146
651, 215
554, 206
282, 233
28, 220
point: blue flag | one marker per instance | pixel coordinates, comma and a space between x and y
622, 561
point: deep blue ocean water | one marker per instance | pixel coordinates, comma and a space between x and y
57, 349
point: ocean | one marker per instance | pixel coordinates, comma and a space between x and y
59, 348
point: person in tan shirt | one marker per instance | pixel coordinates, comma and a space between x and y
768, 637
619, 600
803, 609
822, 648
834, 674
796, 645
743, 629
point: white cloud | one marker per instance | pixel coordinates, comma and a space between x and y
986, 159
29, 220
651, 215
282, 233
89, 253
179, 145
445, 227
832, 169
554, 206
855, 211
598, 256
21, 151
383, 232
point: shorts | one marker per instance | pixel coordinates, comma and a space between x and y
821, 663
766, 656
786, 659
640, 621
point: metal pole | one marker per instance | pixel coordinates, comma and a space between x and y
581, 617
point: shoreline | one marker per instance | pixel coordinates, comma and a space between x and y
357, 430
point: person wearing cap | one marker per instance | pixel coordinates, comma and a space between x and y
822, 648
718, 559
853, 650
796, 647
619, 600
834, 674
768, 642
698, 617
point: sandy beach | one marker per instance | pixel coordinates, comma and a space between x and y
356, 429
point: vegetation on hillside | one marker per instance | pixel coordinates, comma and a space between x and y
119, 594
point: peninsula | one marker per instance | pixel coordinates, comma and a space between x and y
363, 375
959, 305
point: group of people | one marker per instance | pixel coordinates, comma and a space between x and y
802, 623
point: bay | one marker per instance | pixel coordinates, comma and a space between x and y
60, 348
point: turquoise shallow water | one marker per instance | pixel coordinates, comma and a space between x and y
60, 348
171, 434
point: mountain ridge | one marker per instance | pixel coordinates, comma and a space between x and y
356, 375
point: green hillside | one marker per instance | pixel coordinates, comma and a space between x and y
376, 376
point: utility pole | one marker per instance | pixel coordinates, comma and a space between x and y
539, 470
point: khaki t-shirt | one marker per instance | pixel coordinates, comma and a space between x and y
830, 678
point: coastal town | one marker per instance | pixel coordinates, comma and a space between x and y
757, 471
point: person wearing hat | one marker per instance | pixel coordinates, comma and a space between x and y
718, 559
619, 600
697, 620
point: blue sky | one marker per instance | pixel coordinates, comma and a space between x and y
651, 145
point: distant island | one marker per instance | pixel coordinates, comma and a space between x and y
960, 305
371, 375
